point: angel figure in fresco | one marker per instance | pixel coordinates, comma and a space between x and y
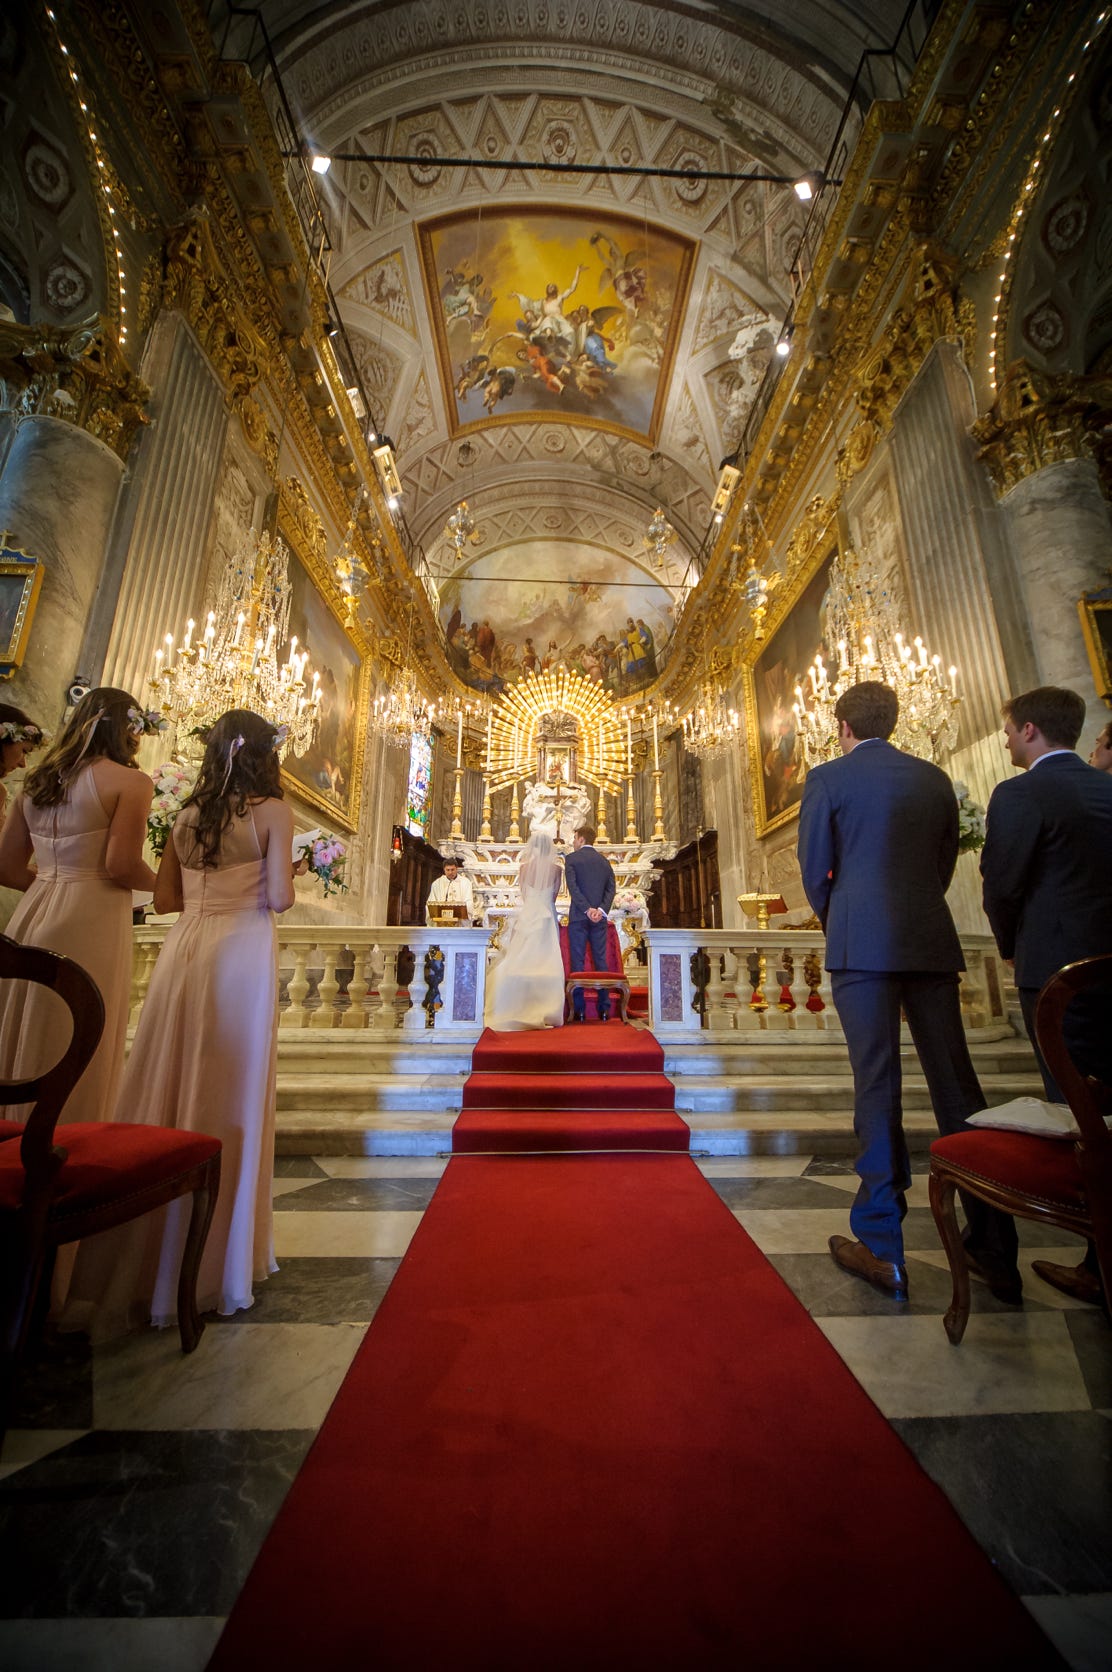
497, 385
589, 340
626, 273
548, 310
465, 299
471, 374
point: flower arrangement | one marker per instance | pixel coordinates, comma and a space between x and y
172, 784
324, 858
971, 821
630, 902
146, 722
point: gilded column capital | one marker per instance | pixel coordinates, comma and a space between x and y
194, 284
1039, 419
76, 374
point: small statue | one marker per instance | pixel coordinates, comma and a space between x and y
434, 975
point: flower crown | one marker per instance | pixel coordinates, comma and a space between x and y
13, 731
145, 722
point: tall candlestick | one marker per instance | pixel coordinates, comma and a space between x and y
459, 739
656, 747
629, 747
600, 748
489, 718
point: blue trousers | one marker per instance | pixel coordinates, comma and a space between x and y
869, 1004
582, 930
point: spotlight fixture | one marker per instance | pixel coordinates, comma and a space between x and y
728, 479
387, 466
784, 347
321, 164
331, 326
808, 186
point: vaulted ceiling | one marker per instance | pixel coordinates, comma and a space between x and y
668, 293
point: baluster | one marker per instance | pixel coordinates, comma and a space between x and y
802, 1019
388, 990
358, 1012
713, 997
141, 972
327, 988
748, 1016
730, 1002
295, 1014
818, 1003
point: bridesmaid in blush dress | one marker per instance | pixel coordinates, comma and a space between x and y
18, 735
73, 845
205, 1051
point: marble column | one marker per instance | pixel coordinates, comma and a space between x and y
58, 495
1062, 539
163, 578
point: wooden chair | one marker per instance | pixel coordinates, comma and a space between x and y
61, 1183
1051, 1180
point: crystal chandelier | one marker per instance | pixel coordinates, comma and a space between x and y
712, 726
401, 713
759, 579
461, 528
235, 662
861, 620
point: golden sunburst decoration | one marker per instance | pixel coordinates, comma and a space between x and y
516, 721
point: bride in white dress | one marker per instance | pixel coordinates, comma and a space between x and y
525, 988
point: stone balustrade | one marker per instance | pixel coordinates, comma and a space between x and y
699, 980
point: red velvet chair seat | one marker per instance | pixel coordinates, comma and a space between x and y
109, 1163
1043, 1169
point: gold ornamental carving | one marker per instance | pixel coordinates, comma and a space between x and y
76, 375
306, 520
194, 285
1040, 419
257, 432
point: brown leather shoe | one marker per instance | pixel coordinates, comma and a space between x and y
862, 1262
1076, 1281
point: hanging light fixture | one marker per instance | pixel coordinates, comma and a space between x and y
460, 528
350, 570
401, 713
712, 726
758, 578
234, 663
862, 621
658, 537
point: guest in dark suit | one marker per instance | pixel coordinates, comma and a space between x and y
1048, 887
590, 880
878, 841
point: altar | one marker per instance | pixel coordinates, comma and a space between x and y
557, 750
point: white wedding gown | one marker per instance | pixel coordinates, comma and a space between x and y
525, 988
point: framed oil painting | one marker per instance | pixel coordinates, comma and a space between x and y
555, 313
776, 761
330, 775
1095, 610
20, 583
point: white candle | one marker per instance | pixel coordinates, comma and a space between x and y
629, 747
210, 629
600, 745
293, 652
256, 654
459, 738
489, 719
240, 619
158, 664
954, 681
656, 747
188, 634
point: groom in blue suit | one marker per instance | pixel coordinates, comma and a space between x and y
590, 881
878, 841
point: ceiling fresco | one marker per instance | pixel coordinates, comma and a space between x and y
540, 604
550, 313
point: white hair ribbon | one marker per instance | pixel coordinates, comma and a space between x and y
234, 748
89, 729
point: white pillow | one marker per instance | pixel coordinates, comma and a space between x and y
1030, 1114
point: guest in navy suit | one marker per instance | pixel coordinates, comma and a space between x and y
590, 881
878, 841
1048, 887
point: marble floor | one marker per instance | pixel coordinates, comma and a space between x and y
136, 1486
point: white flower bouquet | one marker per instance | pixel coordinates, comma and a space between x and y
971, 821
172, 784
630, 902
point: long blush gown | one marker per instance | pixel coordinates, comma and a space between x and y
525, 988
73, 907
204, 1059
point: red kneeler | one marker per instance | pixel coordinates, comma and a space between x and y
613, 962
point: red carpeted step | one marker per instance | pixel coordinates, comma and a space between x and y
591, 1428
601, 1047
515, 1131
568, 1091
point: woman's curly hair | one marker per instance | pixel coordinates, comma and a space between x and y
240, 766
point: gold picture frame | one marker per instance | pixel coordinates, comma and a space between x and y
773, 668
1095, 610
329, 776
20, 584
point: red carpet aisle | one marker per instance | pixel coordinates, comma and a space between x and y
591, 1428
599, 1086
